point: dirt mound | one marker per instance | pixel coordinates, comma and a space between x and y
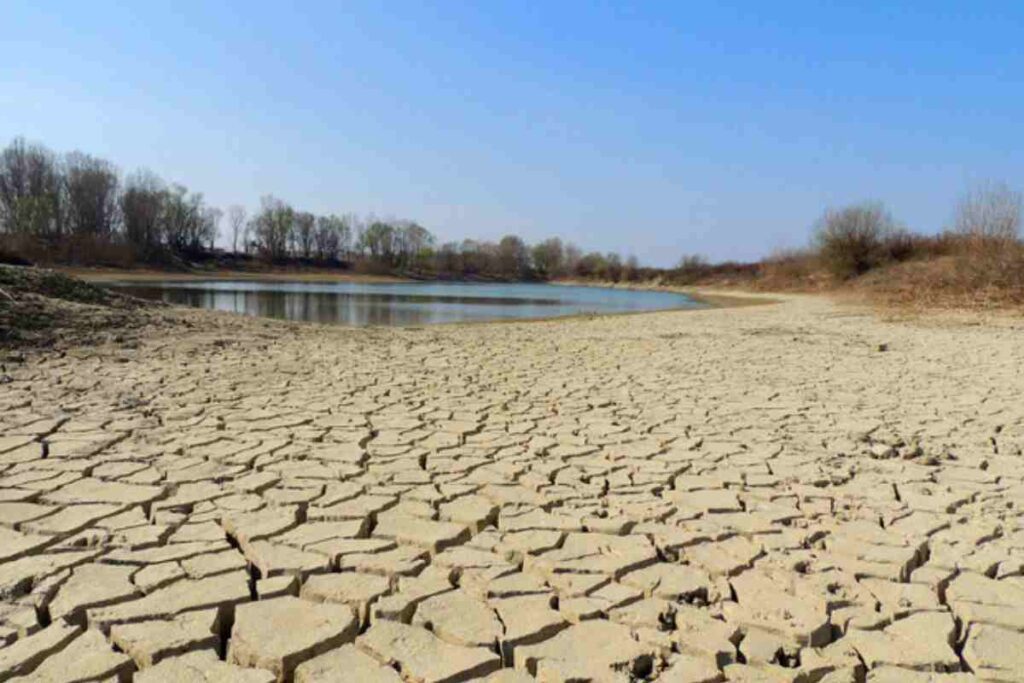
40, 307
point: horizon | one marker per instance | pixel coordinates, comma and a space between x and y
659, 132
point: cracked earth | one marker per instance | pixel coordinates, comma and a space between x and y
792, 492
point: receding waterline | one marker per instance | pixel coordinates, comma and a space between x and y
401, 304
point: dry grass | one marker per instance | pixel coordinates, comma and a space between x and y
975, 276
792, 270
947, 271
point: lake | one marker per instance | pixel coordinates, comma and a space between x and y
414, 303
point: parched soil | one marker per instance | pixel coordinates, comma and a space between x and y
789, 492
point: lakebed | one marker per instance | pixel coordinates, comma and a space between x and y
795, 491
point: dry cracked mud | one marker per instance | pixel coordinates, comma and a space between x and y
792, 492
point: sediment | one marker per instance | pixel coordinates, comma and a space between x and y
790, 492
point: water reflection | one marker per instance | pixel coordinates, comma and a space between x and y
401, 304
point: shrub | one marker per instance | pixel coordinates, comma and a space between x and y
852, 240
989, 212
691, 268
788, 269
989, 255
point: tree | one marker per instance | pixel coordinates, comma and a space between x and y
414, 244
989, 211
631, 271
142, 210
331, 238
30, 191
478, 258
273, 227
236, 224
305, 228
448, 260
210, 226
592, 265
90, 187
513, 258
613, 267
248, 243
378, 240
549, 258
188, 226
691, 268
571, 262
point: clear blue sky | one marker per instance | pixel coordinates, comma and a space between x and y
716, 128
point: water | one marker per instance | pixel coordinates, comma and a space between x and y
358, 303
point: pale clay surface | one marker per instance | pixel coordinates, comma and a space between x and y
792, 492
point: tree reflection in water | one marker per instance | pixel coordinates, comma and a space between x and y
402, 304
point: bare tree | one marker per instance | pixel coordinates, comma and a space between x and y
142, 209
631, 270
91, 187
573, 256
181, 219
274, 227
448, 260
30, 191
236, 224
332, 237
351, 229
415, 244
247, 235
378, 240
613, 266
211, 225
989, 211
305, 233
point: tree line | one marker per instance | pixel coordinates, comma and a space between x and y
77, 208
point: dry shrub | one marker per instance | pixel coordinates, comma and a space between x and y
790, 269
992, 268
852, 240
696, 270
975, 274
990, 212
988, 254
692, 268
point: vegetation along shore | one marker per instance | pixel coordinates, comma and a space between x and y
81, 213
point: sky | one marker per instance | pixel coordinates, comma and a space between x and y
655, 129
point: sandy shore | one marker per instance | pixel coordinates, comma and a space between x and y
796, 491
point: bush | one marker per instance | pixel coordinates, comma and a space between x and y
691, 268
788, 269
852, 240
990, 213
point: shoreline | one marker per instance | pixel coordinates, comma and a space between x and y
712, 296
708, 295
704, 298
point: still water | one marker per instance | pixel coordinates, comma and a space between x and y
358, 303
